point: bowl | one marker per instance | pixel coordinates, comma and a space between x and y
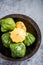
33, 28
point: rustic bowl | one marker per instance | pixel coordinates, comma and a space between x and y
33, 28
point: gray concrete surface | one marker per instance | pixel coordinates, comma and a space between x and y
32, 8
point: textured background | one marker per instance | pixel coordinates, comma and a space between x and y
32, 8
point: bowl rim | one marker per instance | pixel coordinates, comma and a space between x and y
38, 32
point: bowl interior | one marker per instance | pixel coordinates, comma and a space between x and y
30, 28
